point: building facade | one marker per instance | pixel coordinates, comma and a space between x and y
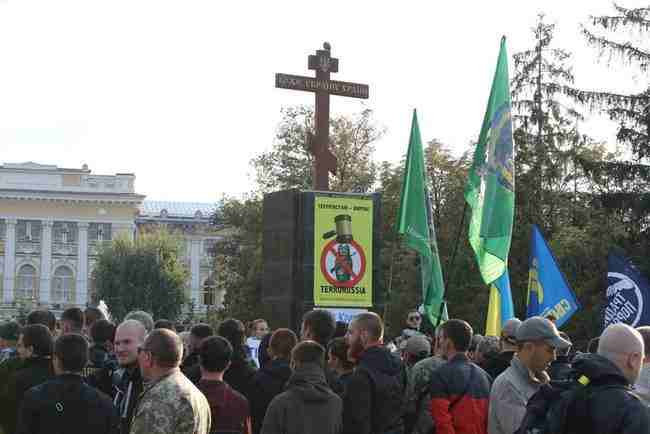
52, 221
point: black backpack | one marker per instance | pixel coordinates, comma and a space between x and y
562, 407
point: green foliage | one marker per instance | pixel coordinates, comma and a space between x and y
289, 163
144, 274
238, 260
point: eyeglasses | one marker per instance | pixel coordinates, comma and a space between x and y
414, 318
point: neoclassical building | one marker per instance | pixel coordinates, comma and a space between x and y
53, 219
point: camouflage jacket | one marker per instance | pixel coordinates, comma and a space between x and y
172, 404
417, 393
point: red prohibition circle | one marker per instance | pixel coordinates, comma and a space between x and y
329, 248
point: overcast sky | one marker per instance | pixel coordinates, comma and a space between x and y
182, 92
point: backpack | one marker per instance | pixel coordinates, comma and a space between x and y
555, 407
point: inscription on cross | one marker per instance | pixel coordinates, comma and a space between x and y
323, 64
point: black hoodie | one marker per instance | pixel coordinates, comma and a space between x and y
268, 383
308, 406
374, 396
608, 405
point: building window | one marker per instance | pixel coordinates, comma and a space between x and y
28, 230
98, 232
92, 290
209, 292
63, 286
26, 283
209, 247
65, 232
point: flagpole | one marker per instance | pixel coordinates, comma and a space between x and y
390, 276
452, 260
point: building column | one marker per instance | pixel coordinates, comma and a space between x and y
82, 265
195, 267
45, 286
10, 260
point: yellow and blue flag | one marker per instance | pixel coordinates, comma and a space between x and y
549, 292
500, 308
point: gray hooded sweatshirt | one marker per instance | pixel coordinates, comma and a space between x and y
307, 406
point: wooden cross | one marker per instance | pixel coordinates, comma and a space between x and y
323, 64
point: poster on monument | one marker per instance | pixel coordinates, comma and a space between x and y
343, 251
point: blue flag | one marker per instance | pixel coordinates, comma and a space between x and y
627, 293
548, 291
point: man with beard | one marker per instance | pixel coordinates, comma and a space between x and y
374, 398
127, 381
538, 340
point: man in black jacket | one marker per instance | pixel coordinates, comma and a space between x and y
35, 349
270, 380
101, 360
190, 365
607, 405
373, 401
66, 404
127, 381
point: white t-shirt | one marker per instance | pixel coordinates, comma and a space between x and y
254, 344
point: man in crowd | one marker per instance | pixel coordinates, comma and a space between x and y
560, 369
418, 416
308, 405
413, 324
459, 389
190, 365
537, 342
101, 359
338, 362
66, 404
318, 325
607, 405
143, 317
259, 329
92, 315
170, 402
374, 398
642, 387
164, 324
230, 409
508, 343
35, 344
270, 380
72, 321
42, 316
8, 340
127, 381
417, 348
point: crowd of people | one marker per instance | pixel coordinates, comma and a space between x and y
84, 374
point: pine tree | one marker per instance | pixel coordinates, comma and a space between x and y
623, 37
545, 125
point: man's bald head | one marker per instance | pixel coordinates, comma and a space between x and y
129, 336
623, 346
134, 326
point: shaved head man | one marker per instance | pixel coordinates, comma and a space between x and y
128, 337
127, 383
608, 404
623, 346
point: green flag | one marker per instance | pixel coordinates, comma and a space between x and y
491, 184
415, 223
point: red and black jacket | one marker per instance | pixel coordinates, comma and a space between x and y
460, 393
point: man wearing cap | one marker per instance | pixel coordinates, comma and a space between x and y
8, 340
537, 342
417, 348
508, 343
